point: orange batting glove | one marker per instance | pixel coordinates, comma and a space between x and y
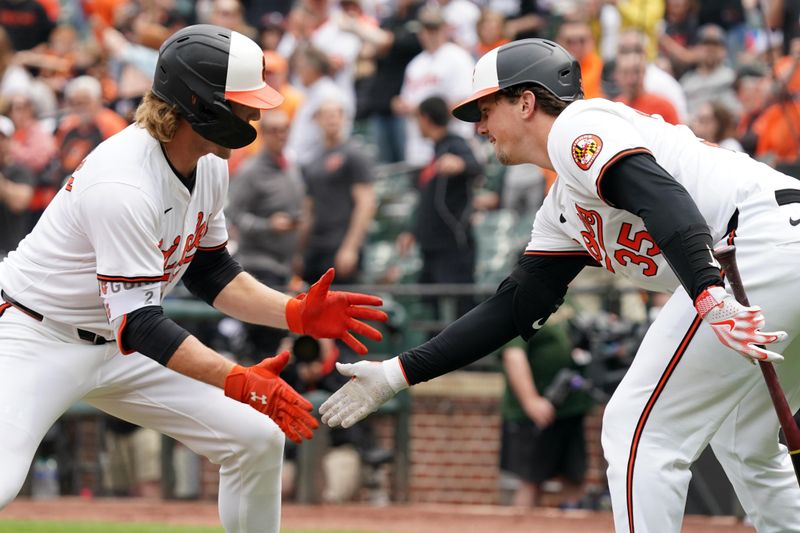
262, 388
327, 314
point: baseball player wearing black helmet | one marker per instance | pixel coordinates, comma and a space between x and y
649, 201
81, 314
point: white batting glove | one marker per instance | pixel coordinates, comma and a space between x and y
371, 384
736, 326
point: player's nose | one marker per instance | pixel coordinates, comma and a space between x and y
482, 129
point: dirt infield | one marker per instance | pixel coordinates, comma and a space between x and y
394, 519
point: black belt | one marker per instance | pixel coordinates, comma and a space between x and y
83, 334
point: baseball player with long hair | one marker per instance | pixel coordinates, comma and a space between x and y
81, 314
646, 200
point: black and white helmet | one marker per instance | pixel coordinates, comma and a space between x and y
201, 69
538, 61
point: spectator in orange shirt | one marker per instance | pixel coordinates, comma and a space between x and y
787, 68
278, 77
491, 29
629, 72
86, 126
778, 131
576, 36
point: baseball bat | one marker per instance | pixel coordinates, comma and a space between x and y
726, 255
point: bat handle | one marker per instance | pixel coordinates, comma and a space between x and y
726, 256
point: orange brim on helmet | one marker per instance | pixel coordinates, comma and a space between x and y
536, 61
245, 83
264, 98
484, 83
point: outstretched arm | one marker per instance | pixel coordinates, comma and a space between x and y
216, 278
519, 307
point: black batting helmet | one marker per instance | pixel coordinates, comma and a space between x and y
201, 69
538, 61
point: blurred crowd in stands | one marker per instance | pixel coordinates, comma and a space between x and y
367, 87
354, 74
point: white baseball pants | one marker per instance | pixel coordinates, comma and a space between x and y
686, 390
45, 368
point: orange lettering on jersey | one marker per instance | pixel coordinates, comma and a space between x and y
169, 252
635, 245
172, 269
593, 236
193, 240
585, 149
68, 186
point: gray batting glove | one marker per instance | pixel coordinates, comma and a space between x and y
371, 385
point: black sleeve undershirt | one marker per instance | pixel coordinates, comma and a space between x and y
494, 322
209, 272
148, 331
639, 185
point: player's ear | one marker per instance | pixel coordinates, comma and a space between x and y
527, 104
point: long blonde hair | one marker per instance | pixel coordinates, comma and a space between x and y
158, 117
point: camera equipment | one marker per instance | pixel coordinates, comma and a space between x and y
306, 349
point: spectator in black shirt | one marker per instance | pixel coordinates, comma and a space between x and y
265, 205
442, 228
340, 200
26, 22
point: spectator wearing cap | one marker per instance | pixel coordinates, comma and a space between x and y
711, 78
16, 192
576, 36
442, 68
630, 73
395, 43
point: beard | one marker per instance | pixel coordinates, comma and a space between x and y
502, 156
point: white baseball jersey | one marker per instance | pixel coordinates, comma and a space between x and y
684, 388
122, 217
590, 135
447, 73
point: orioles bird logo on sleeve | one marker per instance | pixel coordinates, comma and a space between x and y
585, 149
